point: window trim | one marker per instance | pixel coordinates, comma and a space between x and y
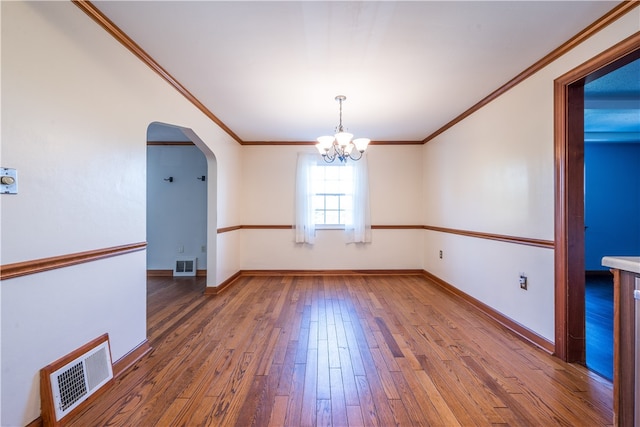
342, 213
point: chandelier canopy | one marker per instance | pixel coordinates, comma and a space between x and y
341, 146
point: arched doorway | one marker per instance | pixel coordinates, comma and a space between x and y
181, 206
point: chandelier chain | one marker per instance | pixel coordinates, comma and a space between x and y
340, 99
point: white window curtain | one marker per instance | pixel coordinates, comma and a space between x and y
305, 228
358, 229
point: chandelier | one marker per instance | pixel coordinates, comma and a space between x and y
340, 146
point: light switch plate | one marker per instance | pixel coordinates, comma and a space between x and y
9, 188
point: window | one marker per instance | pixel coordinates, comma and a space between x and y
332, 194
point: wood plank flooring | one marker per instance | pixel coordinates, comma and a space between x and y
341, 351
599, 324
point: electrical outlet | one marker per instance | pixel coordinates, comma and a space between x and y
440, 254
180, 249
523, 281
203, 248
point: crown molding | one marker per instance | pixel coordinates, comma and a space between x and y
612, 16
312, 143
95, 14
620, 10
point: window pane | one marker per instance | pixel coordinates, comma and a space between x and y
345, 173
333, 202
332, 172
318, 201
332, 217
319, 186
331, 182
334, 187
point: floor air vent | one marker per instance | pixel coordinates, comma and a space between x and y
185, 267
74, 380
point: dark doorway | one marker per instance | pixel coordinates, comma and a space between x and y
570, 338
611, 159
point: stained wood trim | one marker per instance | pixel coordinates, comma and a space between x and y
396, 143
36, 423
227, 229
613, 15
397, 227
548, 244
313, 143
515, 327
217, 290
569, 194
254, 227
126, 362
10, 271
267, 227
169, 273
93, 12
404, 272
626, 47
290, 227
159, 273
573, 300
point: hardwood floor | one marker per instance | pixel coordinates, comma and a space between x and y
599, 324
342, 351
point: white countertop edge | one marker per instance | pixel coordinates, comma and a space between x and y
627, 263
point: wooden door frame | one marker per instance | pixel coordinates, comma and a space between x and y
569, 195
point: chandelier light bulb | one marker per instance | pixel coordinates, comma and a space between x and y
361, 144
343, 138
324, 144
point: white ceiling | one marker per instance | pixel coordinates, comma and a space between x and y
270, 70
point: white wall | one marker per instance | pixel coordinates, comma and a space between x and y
176, 211
268, 199
47, 315
494, 172
75, 110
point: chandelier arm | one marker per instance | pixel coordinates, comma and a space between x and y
355, 158
328, 157
340, 125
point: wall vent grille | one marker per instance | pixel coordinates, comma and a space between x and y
71, 387
69, 382
185, 267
